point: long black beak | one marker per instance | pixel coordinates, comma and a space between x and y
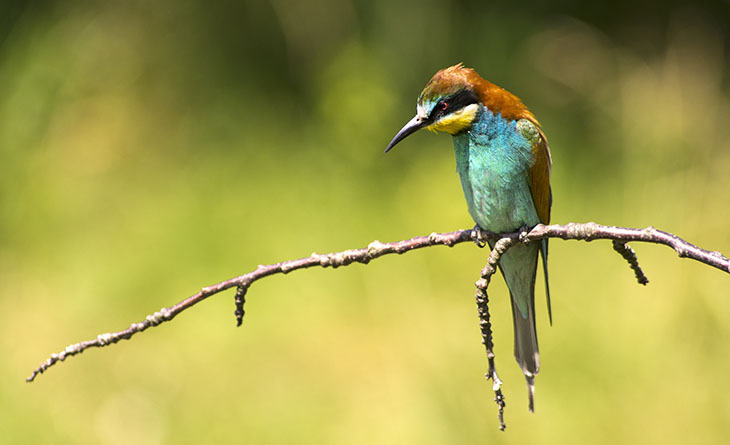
411, 127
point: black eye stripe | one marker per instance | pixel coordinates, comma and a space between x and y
438, 110
453, 103
462, 99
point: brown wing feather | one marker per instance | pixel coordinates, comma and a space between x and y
540, 177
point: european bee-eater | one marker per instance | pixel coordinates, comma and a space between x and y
503, 161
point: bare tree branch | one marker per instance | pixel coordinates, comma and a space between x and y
376, 249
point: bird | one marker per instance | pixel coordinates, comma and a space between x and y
504, 162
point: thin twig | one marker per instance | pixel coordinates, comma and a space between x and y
240, 299
485, 324
376, 249
629, 255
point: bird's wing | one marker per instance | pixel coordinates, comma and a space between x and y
540, 170
540, 186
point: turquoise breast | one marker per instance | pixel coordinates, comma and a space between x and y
493, 160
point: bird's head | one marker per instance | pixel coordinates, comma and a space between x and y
449, 103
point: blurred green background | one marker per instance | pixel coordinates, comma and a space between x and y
148, 149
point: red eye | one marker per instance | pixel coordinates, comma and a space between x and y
444, 106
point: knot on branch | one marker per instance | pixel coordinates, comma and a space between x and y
105, 339
338, 259
158, 317
374, 248
586, 232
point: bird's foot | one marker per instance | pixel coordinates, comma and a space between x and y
524, 230
481, 236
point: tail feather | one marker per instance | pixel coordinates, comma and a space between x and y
544, 255
526, 349
519, 268
531, 393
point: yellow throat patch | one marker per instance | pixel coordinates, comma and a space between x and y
457, 121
